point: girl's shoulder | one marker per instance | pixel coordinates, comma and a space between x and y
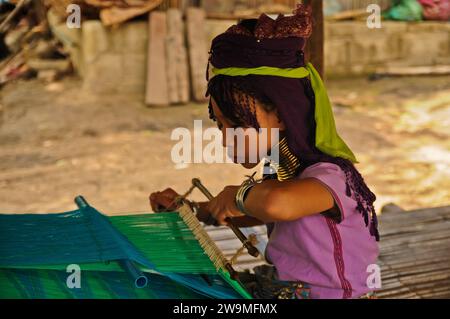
330, 170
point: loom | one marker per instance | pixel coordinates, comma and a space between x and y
166, 255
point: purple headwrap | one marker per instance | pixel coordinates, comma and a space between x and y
279, 43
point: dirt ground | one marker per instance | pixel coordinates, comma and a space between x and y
57, 142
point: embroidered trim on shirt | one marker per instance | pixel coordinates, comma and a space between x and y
339, 259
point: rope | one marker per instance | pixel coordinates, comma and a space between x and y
252, 240
179, 199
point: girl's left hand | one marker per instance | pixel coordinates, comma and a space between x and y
223, 205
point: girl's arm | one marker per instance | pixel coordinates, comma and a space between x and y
243, 221
288, 200
165, 201
272, 200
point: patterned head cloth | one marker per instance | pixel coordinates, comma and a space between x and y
263, 60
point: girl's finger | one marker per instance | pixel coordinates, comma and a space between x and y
169, 192
221, 216
153, 201
163, 202
221, 219
212, 208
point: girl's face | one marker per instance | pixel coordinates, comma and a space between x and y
244, 144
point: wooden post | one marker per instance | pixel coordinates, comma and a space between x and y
157, 91
177, 61
314, 48
198, 51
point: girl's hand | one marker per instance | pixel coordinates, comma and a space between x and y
163, 201
223, 205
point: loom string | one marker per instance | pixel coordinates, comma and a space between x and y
240, 251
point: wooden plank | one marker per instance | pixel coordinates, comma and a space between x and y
114, 15
157, 91
416, 214
348, 15
230, 15
198, 52
413, 70
414, 255
177, 63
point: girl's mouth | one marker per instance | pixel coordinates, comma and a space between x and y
232, 154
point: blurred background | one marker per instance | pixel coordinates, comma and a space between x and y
88, 109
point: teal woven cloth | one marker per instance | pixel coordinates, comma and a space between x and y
112, 253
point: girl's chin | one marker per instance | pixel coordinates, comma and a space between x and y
249, 165
242, 161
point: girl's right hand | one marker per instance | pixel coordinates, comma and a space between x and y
163, 201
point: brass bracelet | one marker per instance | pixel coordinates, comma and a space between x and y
240, 197
242, 193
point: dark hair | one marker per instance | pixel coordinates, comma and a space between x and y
236, 97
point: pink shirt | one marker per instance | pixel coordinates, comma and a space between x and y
331, 257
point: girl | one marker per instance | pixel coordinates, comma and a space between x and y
319, 212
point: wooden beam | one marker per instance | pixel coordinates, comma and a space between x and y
198, 51
314, 50
177, 61
21, 4
157, 90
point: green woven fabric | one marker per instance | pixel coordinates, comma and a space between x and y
35, 250
161, 238
327, 138
51, 284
